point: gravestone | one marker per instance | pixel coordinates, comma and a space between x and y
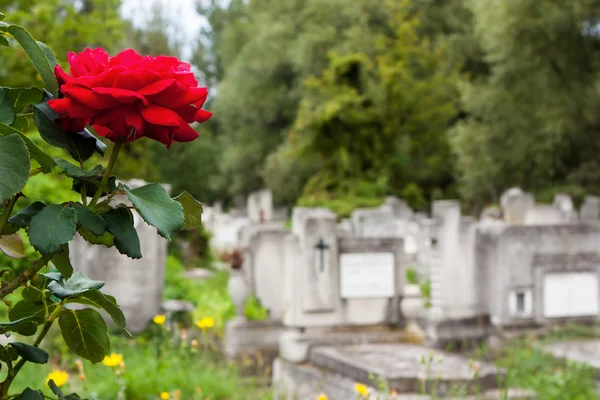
590, 209
515, 203
564, 204
538, 275
375, 223
260, 206
413, 371
136, 284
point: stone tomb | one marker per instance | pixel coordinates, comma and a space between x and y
136, 284
415, 372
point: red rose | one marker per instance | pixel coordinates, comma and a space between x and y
130, 96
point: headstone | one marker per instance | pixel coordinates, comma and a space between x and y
590, 210
541, 274
399, 208
515, 203
316, 231
564, 204
136, 284
260, 206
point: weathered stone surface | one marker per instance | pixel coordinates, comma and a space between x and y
306, 381
407, 368
581, 351
260, 206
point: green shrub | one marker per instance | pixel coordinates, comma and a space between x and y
254, 310
530, 368
412, 277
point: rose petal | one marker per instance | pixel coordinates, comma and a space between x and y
136, 79
124, 96
158, 115
157, 87
72, 108
185, 133
88, 97
61, 75
203, 115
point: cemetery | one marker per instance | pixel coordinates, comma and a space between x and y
379, 200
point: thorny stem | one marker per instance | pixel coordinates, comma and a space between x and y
108, 171
25, 276
7, 211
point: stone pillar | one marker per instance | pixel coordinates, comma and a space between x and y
136, 284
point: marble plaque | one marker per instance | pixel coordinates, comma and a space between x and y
367, 275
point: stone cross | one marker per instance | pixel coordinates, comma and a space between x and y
321, 246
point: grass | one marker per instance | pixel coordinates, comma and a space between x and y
152, 366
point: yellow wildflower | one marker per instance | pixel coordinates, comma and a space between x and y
165, 396
322, 396
198, 389
361, 389
113, 360
59, 377
159, 319
394, 393
194, 343
205, 323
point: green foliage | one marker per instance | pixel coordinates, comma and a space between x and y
14, 165
412, 277
65, 25
254, 310
531, 121
530, 368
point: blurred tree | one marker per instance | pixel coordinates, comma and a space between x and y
381, 121
64, 25
533, 121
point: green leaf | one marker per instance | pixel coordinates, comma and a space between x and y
4, 41
30, 394
14, 166
12, 245
21, 123
49, 54
24, 326
32, 294
80, 146
90, 220
76, 284
37, 55
23, 217
54, 226
62, 262
73, 171
30, 353
120, 224
7, 111
107, 239
157, 208
95, 298
23, 97
8, 354
30, 309
53, 276
85, 332
91, 184
192, 211
46, 162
